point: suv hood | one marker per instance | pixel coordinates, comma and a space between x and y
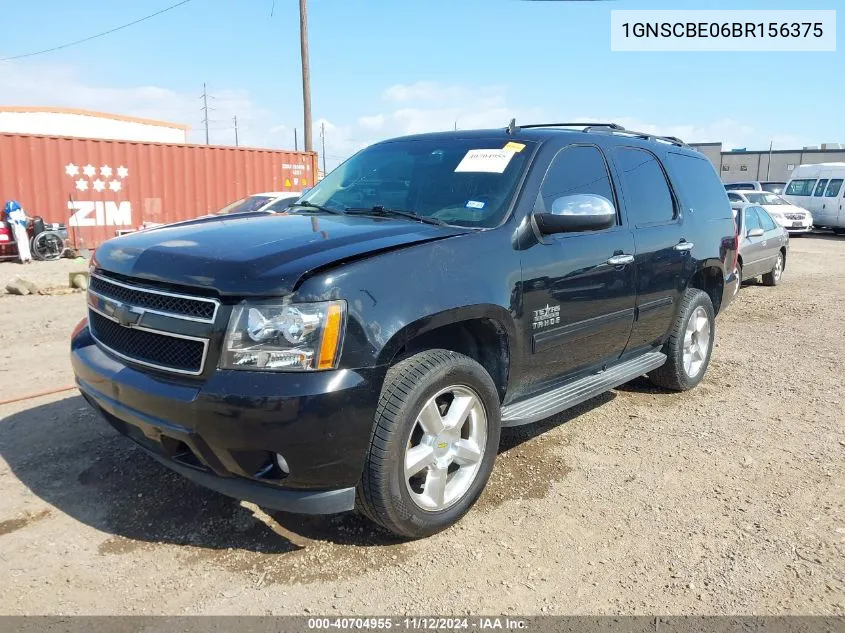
256, 254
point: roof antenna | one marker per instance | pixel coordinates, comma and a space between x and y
512, 126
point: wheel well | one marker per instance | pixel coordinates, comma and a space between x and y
483, 340
711, 281
783, 252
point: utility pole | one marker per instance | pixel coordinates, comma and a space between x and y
323, 137
235, 119
205, 110
769, 164
295, 141
306, 73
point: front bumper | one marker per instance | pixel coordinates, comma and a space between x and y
224, 432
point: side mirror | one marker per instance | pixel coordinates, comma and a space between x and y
755, 233
579, 212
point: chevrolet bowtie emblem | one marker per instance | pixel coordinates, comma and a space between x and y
126, 315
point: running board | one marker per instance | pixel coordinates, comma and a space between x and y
560, 398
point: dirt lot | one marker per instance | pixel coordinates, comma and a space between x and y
729, 499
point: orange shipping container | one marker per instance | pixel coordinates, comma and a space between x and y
98, 187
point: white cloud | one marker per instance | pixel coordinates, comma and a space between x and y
63, 86
371, 122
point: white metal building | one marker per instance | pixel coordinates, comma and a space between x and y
87, 124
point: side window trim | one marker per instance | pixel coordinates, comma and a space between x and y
676, 204
613, 189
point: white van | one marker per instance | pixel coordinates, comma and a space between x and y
819, 189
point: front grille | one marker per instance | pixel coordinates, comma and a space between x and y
159, 301
148, 348
794, 216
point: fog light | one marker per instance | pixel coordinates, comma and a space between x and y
283, 464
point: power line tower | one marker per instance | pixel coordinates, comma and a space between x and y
306, 73
205, 109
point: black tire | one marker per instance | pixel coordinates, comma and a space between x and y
382, 494
774, 276
839, 231
672, 374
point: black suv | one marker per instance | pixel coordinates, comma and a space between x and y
364, 348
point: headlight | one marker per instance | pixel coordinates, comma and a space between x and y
291, 337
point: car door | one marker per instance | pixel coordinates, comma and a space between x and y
663, 241
578, 288
752, 247
817, 206
773, 238
832, 203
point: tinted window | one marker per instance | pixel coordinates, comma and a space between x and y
751, 219
698, 185
578, 169
766, 220
774, 187
245, 205
833, 188
742, 186
281, 204
648, 198
802, 187
820, 187
735, 197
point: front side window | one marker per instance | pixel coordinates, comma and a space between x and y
820, 188
575, 170
751, 220
833, 188
461, 181
800, 187
766, 220
648, 198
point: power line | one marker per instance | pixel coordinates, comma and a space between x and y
93, 37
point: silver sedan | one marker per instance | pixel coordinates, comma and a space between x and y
763, 245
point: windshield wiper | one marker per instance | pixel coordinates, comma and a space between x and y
398, 213
316, 207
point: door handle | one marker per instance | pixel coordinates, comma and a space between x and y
683, 245
621, 260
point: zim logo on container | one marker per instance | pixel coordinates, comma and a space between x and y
104, 180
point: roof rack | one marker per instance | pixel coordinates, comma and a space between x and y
612, 128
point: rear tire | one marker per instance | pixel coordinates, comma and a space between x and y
773, 277
690, 344
425, 469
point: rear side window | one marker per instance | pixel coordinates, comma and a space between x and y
820, 187
575, 169
766, 220
801, 187
698, 185
648, 198
833, 188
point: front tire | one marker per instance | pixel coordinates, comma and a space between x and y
690, 344
435, 439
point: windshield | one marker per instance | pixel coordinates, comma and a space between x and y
774, 187
465, 182
245, 205
765, 198
741, 186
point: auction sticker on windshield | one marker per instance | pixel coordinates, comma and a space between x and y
493, 161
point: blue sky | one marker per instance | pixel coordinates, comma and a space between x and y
382, 68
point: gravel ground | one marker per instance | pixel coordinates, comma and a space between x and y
729, 499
